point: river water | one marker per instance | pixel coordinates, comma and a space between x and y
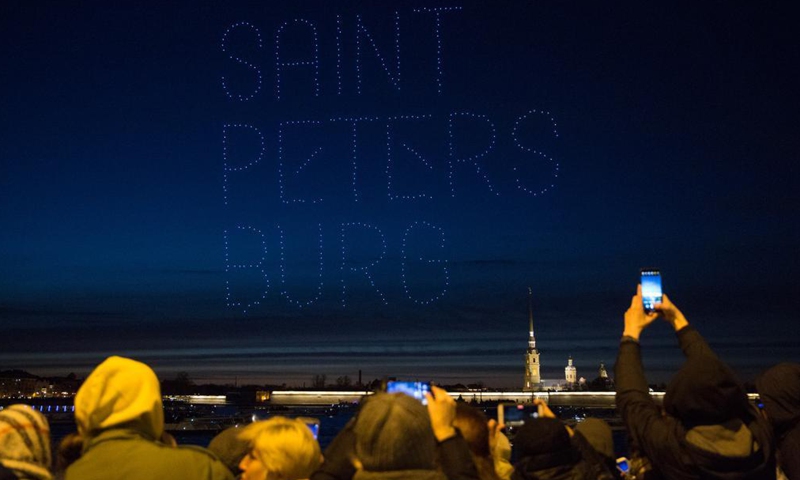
333, 419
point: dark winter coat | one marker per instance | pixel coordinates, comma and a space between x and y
779, 388
709, 429
578, 462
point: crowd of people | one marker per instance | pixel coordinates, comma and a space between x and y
706, 428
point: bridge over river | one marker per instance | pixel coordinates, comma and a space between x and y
557, 399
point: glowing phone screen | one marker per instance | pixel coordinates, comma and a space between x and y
651, 288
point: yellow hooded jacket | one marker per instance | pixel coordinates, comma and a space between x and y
120, 417
120, 391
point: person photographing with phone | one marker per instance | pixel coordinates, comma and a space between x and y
709, 429
548, 449
395, 437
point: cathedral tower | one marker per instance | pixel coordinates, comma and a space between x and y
570, 372
533, 379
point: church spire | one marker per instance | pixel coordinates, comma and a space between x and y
533, 379
531, 337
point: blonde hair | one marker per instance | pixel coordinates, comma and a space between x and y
285, 446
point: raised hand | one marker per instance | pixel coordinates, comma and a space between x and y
636, 319
442, 410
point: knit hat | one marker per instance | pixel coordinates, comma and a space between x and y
230, 448
393, 432
120, 392
705, 391
25, 441
598, 434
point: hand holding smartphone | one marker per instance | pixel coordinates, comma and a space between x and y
414, 389
514, 414
622, 465
651, 288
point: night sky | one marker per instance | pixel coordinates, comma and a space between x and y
268, 191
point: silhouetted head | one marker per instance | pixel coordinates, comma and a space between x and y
543, 443
230, 448
779, 389
472, 424
393, 432
705, 391
598, 434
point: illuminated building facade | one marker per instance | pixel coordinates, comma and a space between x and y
570, 373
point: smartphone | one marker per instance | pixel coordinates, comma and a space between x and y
651, 288
414, 389
514, 414
622, 465
312, 424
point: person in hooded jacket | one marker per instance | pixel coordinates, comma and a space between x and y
709, 429
549, 450
779, 389
394, 437
120, 418
598, 434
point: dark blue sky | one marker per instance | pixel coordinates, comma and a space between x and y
273, 191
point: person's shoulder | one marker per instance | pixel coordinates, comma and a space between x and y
189, 453
147, 459
193, 450
201, 457
761, 429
